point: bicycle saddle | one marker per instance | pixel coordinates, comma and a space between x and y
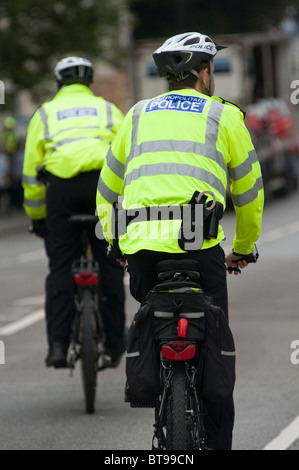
186, 267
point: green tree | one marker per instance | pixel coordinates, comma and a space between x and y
34, 34
154, 18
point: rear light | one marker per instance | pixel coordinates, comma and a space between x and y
178, 351
86, 278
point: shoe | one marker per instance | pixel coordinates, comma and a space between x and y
57, 356
113, 356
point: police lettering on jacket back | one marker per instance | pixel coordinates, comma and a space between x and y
190, 104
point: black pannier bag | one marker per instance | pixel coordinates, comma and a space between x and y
156, 320
219, 373
142, 364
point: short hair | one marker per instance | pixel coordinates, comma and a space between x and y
190, 80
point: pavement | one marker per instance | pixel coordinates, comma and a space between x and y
13, 222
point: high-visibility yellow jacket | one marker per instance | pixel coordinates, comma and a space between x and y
69, 135
171, 146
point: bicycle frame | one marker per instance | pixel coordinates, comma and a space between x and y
88, 333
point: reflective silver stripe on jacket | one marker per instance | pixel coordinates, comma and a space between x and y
244, 168
207, 149
117, 167
70, 140
182, 169
107, 193
31, 180
49, 138
35, 203
240, 200
44, 119
109, 115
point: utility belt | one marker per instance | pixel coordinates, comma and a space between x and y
200, 220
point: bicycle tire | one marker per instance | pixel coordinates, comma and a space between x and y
89, 352
177, 433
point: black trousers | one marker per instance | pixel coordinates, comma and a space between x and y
219, 420
66, 197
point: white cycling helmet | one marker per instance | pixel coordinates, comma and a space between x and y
73, 70
181, 53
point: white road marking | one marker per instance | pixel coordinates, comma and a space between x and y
22, 323
286, 437
36, 300
279, 232
31, 256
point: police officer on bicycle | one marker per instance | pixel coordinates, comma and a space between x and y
69, 137
179, 148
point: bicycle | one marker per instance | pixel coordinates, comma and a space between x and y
179, 309
88, 333
179, 407
87, 341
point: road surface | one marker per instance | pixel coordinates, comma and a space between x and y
43, 409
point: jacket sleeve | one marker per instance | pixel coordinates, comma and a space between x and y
117, 118
111, 180
246, 188
34, 190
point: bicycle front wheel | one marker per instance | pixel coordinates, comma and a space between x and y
89, 350
177, 433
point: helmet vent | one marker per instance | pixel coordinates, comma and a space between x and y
191, 41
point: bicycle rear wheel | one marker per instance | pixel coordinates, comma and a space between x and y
89, 350
177, 433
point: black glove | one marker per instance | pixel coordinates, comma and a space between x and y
251, 258
38, 227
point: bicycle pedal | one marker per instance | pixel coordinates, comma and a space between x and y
74, 356
106, 361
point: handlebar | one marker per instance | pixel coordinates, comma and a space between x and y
250, 258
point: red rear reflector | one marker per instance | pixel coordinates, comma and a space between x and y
178, 351
86, 278
182, 331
